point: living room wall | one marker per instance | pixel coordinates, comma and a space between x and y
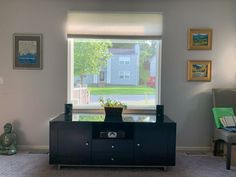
28, 98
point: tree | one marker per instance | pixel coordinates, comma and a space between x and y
147, 51
90, 57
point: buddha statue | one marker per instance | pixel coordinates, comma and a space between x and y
8, 141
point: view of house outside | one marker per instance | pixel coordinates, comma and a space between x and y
124, 70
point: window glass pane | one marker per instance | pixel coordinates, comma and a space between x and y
120, 69
124, 60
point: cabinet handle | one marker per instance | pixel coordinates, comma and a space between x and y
112, 147
86, 144
112, 158
138, 144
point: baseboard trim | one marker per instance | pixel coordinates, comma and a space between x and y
184, 148
178, 148
32, 147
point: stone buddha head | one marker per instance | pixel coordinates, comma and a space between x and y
7, 128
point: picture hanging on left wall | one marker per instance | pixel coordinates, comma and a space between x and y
27, 51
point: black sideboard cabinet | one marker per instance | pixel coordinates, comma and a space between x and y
85, 139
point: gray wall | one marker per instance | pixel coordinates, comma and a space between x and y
29, 98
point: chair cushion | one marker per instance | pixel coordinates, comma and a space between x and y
228, 137
219, 113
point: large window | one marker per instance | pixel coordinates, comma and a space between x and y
127, 70
116, 55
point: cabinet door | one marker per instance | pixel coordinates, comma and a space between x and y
112, 152
151, 144
74, 143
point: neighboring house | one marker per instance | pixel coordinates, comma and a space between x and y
121, 69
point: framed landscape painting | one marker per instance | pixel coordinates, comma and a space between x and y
199, 70
200, 39
27, 51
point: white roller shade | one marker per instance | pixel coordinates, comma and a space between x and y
114, 24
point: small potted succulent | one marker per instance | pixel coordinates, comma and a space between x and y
113, 109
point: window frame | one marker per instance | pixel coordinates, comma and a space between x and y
124, 74
124, 60
130, 108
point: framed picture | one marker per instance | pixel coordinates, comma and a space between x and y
27, 51
199, 39
199, 70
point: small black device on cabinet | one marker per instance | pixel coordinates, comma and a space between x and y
68, 109
159, 113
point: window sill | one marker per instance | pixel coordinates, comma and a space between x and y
129, 110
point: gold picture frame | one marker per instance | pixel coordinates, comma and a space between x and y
200, 39
199, 70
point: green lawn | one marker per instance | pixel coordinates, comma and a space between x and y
122, 90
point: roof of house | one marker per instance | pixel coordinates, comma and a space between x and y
122, 51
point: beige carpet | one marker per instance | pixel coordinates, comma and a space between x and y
36, 165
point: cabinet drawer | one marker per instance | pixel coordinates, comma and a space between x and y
112, 159
112, 146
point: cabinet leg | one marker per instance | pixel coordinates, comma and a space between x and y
165, 168
215, 150
228, 160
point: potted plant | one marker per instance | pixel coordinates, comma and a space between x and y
113, 109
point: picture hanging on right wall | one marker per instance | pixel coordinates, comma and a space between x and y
199, 39
199, 70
